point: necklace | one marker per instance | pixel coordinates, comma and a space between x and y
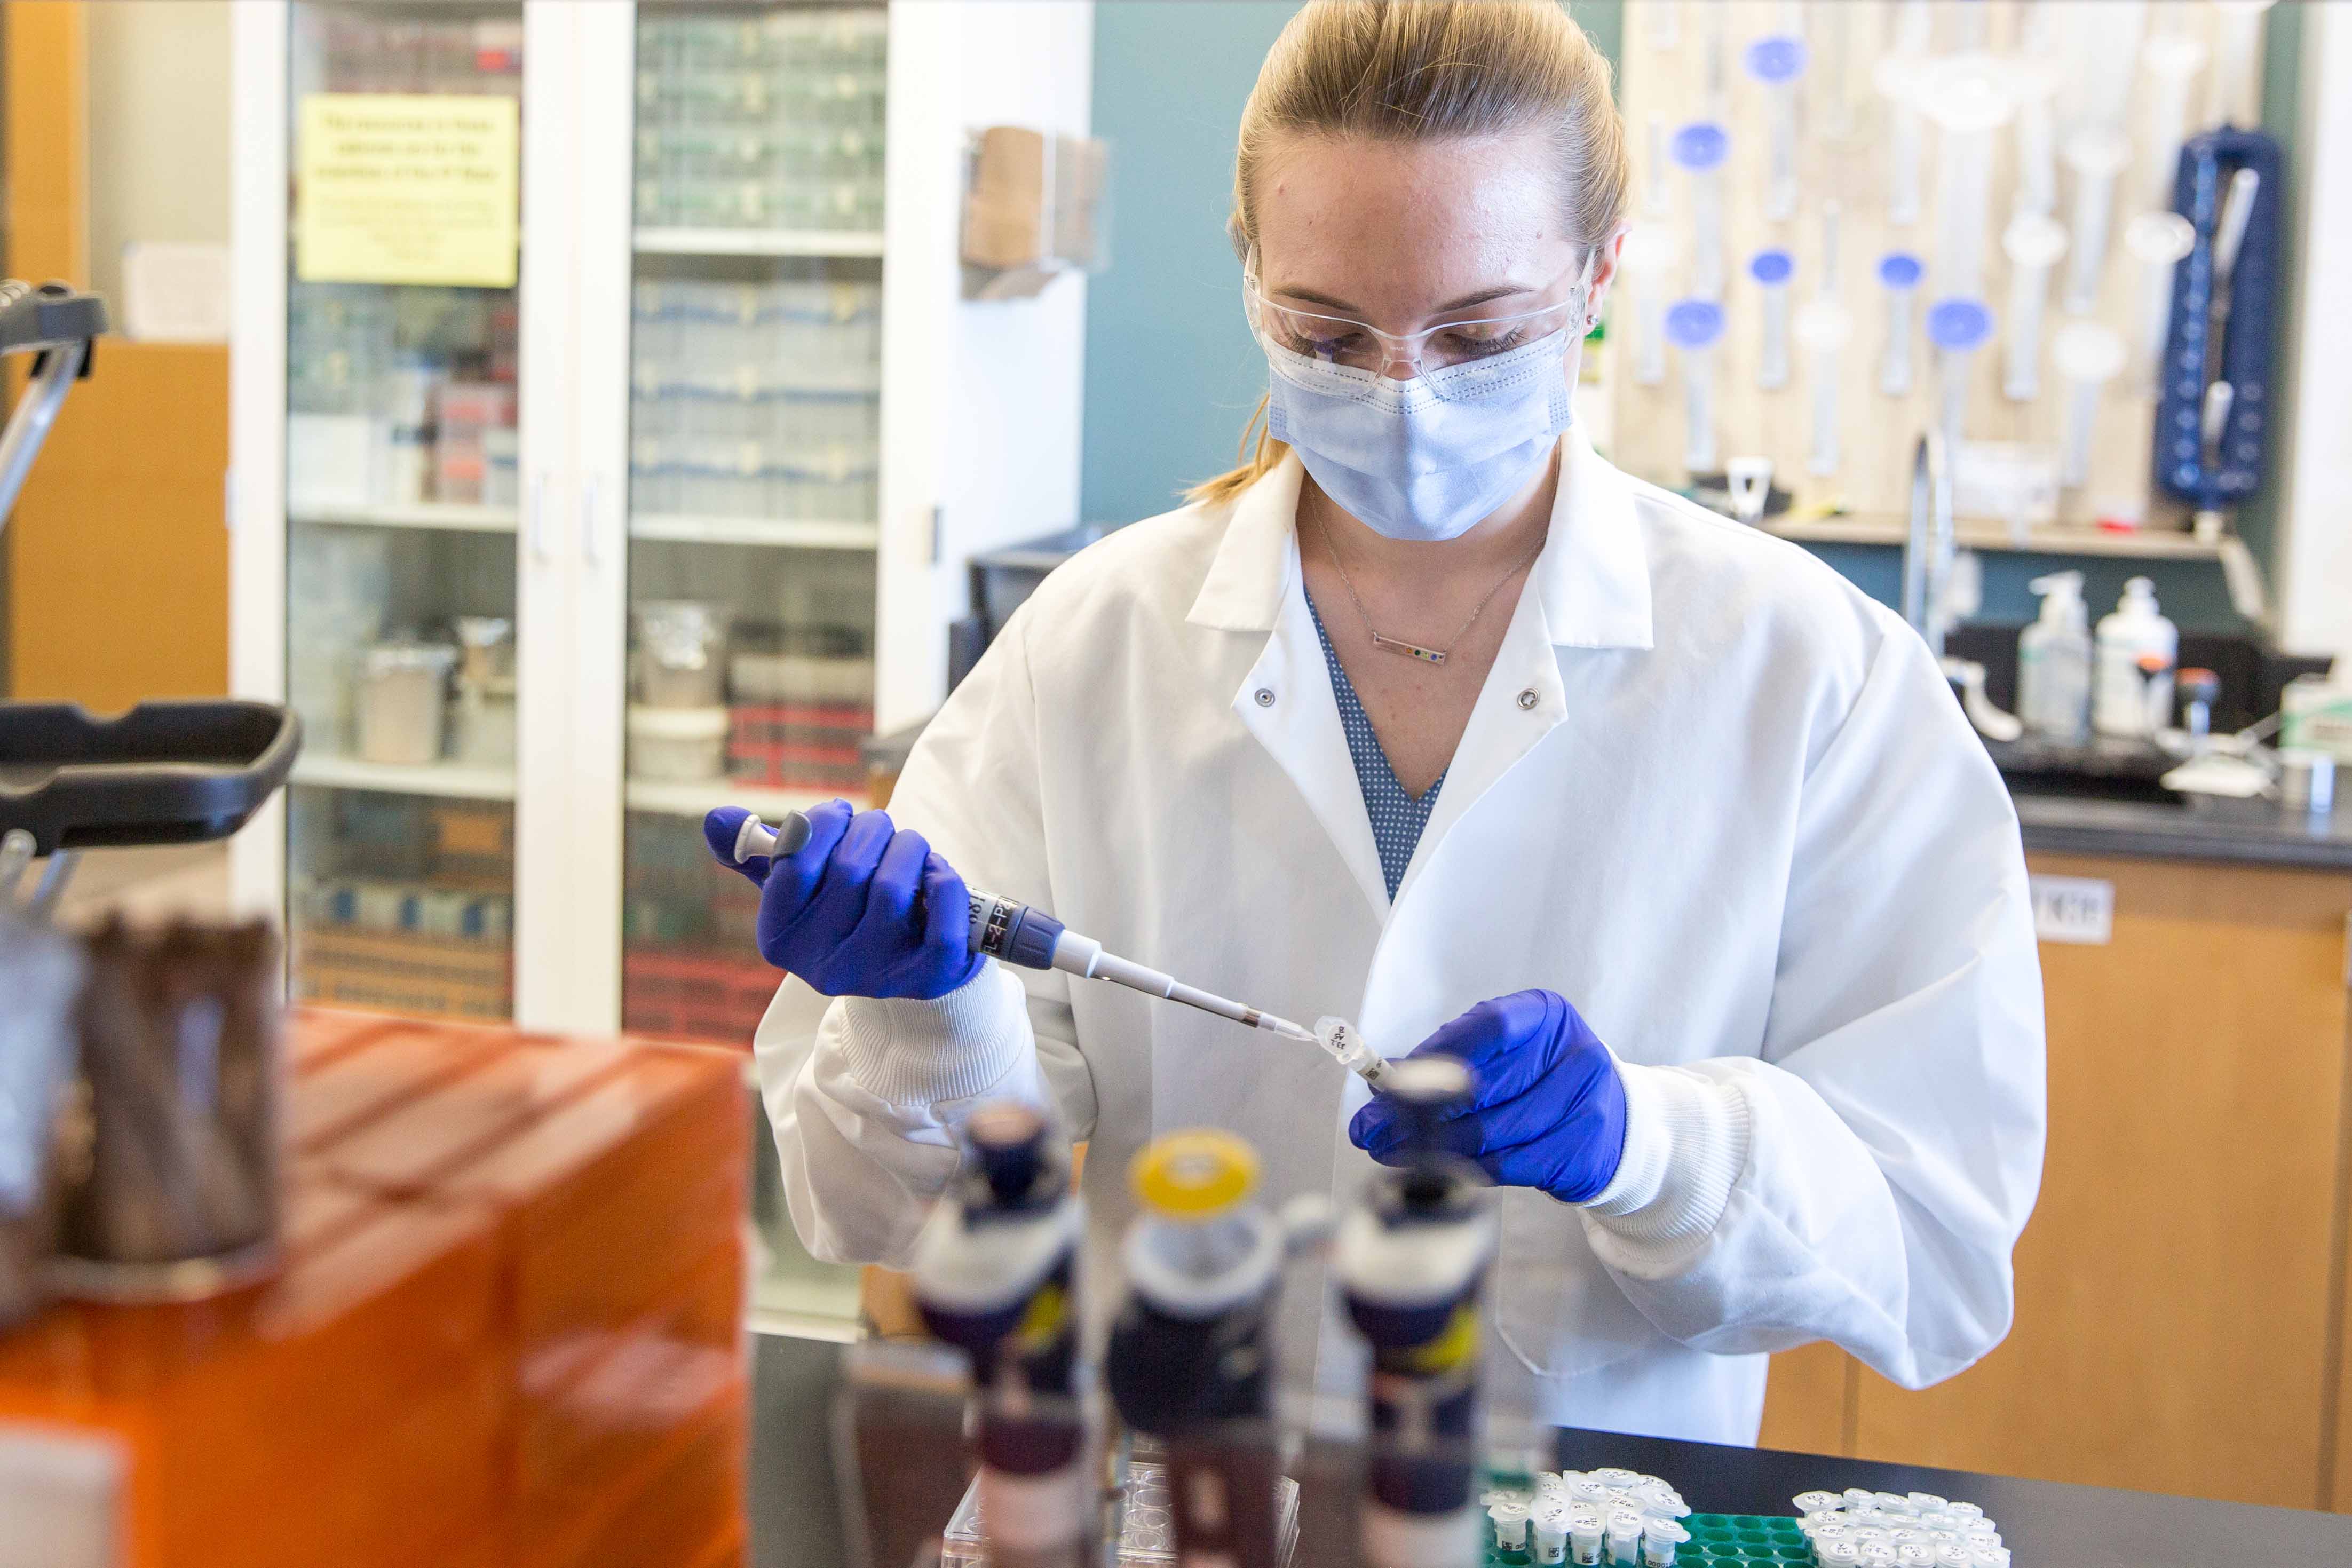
1399, 645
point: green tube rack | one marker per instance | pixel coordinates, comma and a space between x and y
1718, 1541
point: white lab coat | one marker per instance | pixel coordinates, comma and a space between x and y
1710, 793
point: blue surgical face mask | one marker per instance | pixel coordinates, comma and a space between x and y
1430, 458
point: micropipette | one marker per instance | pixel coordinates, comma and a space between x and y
1823, 327
2158, 241
1899, 272
2088, 355
1695, 326
1699, 150
1772, 269
1016, 933
2096, 157
1777, 62
1957, 327
2033, 244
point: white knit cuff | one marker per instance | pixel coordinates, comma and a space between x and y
914, 1052
1686, 1144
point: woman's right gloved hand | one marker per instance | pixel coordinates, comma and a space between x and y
862, 909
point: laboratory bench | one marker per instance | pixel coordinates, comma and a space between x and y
2199, 827
796, 1518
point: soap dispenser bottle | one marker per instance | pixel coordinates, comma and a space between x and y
2137, 651
2053, 663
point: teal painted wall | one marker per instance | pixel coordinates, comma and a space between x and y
1171, 374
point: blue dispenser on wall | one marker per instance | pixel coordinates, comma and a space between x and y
2213, 402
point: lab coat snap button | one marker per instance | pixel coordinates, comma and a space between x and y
1265, 697
1529, 698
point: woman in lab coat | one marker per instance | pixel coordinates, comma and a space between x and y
1428, 717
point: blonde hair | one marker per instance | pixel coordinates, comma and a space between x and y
1422, 71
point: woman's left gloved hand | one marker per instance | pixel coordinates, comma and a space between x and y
1549, 1109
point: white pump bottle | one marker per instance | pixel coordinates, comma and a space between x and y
2137, 650
2054, 662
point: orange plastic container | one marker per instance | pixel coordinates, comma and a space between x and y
505, 1329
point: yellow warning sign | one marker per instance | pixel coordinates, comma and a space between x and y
406, 188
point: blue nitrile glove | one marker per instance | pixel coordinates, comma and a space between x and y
861, 909
1549, 1110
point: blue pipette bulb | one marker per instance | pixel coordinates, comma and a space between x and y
1959, 324
1776, 59
1771, 266
1700, 145
1900, 270
1694, 324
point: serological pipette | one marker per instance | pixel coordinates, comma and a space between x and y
1695, 326
1776, 63
2033, 243
1016, 934
1699, 150
1899, 272
1772, 269
1957, 327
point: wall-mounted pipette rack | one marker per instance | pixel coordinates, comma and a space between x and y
2006, 169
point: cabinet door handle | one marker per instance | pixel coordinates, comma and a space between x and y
535, 523
591, 538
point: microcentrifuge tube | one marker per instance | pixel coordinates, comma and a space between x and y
1968, 101
1586, 1530
2095, 155
1895, 77
2158, 241
2173, 60
1510, 1517
1823, 327
1658, 195
1957, 327
1699, 150
2087, 355
1648, 261
2033, 83
2033, 244
1664, 30
1695, 326
1830, 21
1898, 273
1624, 1536
1772, 269
1551, 1522
2234, 93
1659, 1539
1777, 62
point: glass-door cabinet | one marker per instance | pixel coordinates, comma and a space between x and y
613, 420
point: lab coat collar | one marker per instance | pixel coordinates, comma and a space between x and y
1592, 578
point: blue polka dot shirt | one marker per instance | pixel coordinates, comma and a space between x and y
1397, 817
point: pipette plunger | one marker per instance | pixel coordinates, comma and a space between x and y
1016, 934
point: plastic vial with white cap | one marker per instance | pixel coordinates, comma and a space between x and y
1624, 1536
1837, 1554
1969, 100
1659, 1539
1510, 1517
1957, 328
2096, 155
1821, 331
2158, 242
1695, 326
2088, 356
1777, 62
1899, 272
2173, 60
1550, 1525
1772, 269
1648, 259
1699, 150
2033, 243
1586, 1530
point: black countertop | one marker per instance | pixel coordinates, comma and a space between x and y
2191, 827
796, 1518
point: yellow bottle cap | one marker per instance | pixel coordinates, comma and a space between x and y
1194, 1175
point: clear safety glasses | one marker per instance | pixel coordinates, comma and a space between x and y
1360, 345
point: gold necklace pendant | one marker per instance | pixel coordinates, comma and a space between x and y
1411, 650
